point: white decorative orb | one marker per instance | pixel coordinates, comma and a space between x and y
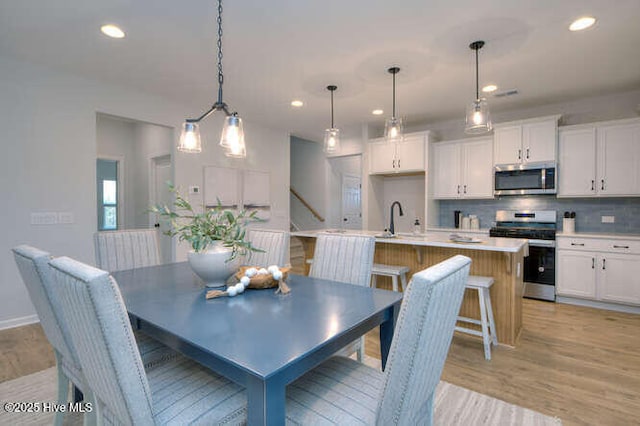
273, 268
245, 281
263, 271
277, 275
251, 272
239, 288
231, 291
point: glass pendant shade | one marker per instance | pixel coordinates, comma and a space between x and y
331, 140
393, 129
190, 138
478, 119
232, 138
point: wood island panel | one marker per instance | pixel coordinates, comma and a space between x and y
504, 267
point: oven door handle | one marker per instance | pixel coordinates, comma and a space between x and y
542, 243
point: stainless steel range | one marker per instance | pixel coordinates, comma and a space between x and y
539, 227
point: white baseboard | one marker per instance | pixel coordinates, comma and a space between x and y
600, 305
17, 322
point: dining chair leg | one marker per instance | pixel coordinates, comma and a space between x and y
374, 281
492, 324
63, 393
394, 283
484, 324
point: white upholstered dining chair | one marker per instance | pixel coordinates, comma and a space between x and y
178, 391
274, 245
347, 259
343, 391
33, 267
126, 249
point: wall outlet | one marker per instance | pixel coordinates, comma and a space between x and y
608, 219
44, 218
194, 189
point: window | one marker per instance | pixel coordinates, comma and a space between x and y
107, 175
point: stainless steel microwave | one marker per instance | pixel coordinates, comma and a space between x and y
523, 179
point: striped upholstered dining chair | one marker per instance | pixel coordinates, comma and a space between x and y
178, 391
343, 391
347, 259
274, 245
34, 269
126, 249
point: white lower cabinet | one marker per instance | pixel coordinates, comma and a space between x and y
598, 269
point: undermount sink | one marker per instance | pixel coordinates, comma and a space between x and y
385, 235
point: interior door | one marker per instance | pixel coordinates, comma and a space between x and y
161, 170
351, 202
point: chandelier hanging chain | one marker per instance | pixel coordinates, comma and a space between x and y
393, 115
220, 75
477, 78
332, 107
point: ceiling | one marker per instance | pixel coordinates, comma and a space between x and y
281, 50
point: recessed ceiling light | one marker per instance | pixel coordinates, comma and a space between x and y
377, 112
297, 103
582, 23
112, 31
489, 88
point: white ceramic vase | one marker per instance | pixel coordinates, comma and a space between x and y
212, 265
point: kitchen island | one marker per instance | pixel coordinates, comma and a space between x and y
500, 258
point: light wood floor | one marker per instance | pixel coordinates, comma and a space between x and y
577, 363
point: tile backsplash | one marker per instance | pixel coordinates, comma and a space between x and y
589, 211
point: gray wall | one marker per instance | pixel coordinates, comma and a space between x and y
588, 211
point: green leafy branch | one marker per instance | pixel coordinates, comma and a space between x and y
214, 224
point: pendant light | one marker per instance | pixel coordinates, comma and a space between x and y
393, 126
232, 137
478, 119
332, 135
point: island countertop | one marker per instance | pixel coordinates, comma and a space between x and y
499, 258
432, 239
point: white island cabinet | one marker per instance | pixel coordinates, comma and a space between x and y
463, 169
600, 160
601, 268
526, 141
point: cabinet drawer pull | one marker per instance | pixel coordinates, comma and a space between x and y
578, 244
458, 189
519, 154
593, 185
593, 263
394, 164
527, 153
622, 247
602, 184
604, 264
465, 189
398, 163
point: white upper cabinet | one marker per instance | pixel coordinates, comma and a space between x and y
600, 160
619, 159
526, 141
407, 156
463, 169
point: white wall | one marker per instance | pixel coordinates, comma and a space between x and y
309, 172
48, 163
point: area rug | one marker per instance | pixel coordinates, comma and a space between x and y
454, 405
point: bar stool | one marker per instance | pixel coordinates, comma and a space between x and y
486, 321
390, 271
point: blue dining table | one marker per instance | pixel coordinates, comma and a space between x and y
258, 339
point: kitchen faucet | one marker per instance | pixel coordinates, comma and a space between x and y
391, 225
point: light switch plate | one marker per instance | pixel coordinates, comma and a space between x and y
44, 218
608, 219
194, 189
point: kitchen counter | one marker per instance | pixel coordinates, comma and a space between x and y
481, 231
500, 258
434, 239
635, 237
